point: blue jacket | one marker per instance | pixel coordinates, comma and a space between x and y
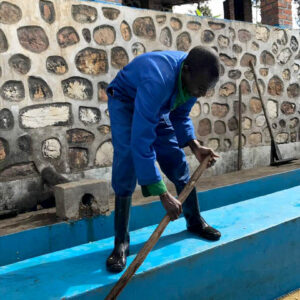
151, 81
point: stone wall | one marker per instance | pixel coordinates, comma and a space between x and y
57, 57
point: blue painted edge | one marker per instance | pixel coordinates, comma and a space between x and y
258, 255
241, 269
46, 239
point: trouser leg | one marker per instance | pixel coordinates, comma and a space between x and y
173, 163
116, 262
190, 207
123, 180
123, 173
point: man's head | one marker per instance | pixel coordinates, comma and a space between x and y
200, 71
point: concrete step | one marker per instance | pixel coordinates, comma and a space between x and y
18, 246
257, 257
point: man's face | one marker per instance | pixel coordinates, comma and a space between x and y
198, 84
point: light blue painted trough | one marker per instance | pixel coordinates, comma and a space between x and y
258, 256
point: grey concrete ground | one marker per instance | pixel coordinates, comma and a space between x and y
48, 216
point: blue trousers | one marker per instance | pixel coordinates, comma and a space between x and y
170, 157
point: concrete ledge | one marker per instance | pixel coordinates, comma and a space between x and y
69, 234
258, 255
85, 198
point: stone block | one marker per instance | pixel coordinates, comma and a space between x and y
78, 158
104, 35
47, 11
284, 56
176, 24
84, 13
166, 37
39, 89
3, 42
294, 43
262, 33
244, 35
223, 41
227, 89
104, 155
77, 88
6, 119
204, 127
104, 129
245, 60
195, 26
207, 36
215, 25
9, 13
86, 33
266, 58
144, 27
119, 57
13, 90
125, 31
3, 149
161, 19
110, 13
237, 49
33, 38
85, 198
92, 61
20, 63
43, 115
219, 110
234, 74
137, 49
227, 60
80, 136
89, 115
67, 36
56, 65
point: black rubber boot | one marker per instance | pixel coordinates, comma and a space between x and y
195, 223
116, 262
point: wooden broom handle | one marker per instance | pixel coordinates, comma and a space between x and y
141, 256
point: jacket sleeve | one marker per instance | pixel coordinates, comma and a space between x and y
182, 123
148, 101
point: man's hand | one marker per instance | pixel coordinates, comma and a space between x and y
201, 152
171, 205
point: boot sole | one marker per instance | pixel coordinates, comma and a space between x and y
115, 269
205, 236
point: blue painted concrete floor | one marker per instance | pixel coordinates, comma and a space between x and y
79, 272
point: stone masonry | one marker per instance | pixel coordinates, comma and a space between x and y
57, 58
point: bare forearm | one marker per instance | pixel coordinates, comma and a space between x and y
171, 205
201, 152
194, 144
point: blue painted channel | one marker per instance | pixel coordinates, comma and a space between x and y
38, 241
257, 258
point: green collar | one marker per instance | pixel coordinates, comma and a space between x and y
182, 95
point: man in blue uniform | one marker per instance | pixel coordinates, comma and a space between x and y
149, 105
